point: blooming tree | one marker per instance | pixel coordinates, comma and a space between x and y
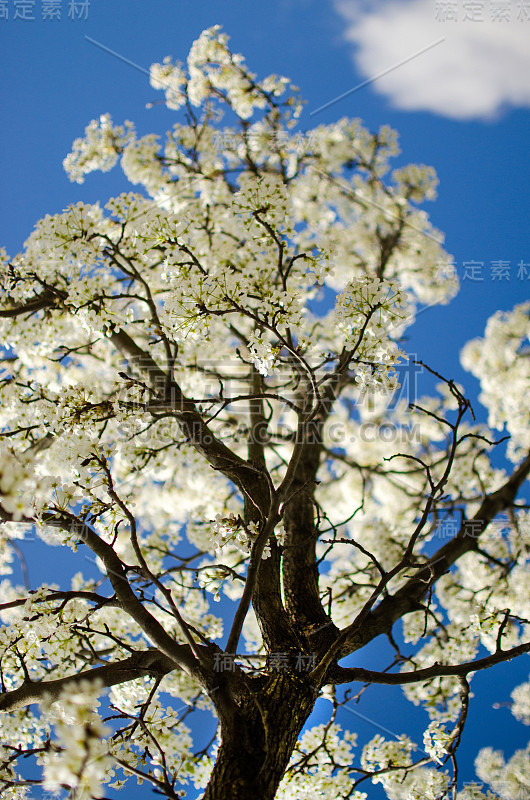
201, 391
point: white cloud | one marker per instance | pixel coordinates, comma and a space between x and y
480, 69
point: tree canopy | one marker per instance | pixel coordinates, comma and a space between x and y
205, 388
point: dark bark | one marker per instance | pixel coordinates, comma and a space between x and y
258, 741
300, 572
299, 565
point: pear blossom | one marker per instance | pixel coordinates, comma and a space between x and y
216, 358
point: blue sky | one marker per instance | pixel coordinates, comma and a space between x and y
461, 106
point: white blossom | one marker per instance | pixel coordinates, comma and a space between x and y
521, 702
259, 272
80, 760
99, 149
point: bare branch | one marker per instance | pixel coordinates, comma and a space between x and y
338, 674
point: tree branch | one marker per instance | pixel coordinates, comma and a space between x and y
144, 662
407, 599
44, 300
180, 654
249, 478
338, 674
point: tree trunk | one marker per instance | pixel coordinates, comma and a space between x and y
257, 744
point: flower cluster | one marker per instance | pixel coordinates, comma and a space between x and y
233, 531
214, 69
262, 353
80, 758
507, 778
521, 702
381, 752
327, 767
23, 491
16, 472
99, 149
367, 312
500, 361
436, 741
